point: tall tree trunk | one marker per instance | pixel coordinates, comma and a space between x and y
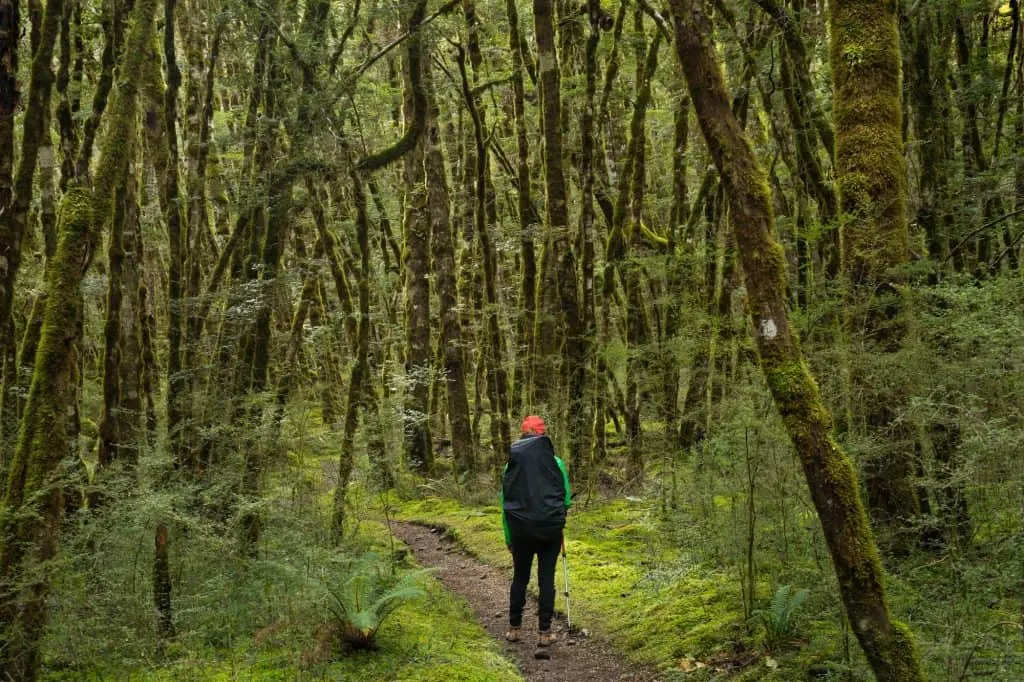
625, 223
14, 219
833, 484
443, 248
497, 377
29, 536
529, 223
360, 366
933, 114
10, 96
871, 174
560, 315
419, 450
182, 451
119, 424
556, 243
581, 405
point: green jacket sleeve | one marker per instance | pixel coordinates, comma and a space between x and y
504, 519
565, 477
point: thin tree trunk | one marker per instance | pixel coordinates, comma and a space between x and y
497, 377
162, 583
360, 366
178, 389
10, 96
451, 340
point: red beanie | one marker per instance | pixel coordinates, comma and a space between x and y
533, 424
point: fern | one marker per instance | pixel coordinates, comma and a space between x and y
779, 619
367, 597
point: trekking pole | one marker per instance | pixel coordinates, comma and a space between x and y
565, 583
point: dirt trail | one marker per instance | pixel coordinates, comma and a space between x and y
486, 589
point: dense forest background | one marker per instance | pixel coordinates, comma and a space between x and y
272, 269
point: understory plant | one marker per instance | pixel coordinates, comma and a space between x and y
366, 596
779, 618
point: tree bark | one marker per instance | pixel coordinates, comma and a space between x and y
497, 377
560, 316
14, 219
419, 451
178, 390
871, 176
443, 249
529, 223
29, 536
887, 644
360, 366
162, 583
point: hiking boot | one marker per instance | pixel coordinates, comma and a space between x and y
546, 638
512, 635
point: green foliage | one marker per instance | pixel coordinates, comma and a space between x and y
239, 617
779, 619
367, 596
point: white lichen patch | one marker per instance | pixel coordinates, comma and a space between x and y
768, 329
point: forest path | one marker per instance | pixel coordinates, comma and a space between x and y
486, 589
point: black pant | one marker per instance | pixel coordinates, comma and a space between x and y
525, 544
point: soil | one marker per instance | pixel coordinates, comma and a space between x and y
580, 656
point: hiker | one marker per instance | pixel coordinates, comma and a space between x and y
534, 498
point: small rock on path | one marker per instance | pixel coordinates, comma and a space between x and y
486, 589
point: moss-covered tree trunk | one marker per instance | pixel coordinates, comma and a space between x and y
529, 222
497, 376
360, 366
888, 645
162, 583
14, 218
34, 505
119, 424
558, 300
419, 451
871, 176
581, 404
626, 222
443, 249
182, 451
10, 95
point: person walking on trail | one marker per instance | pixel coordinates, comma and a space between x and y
534, 498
